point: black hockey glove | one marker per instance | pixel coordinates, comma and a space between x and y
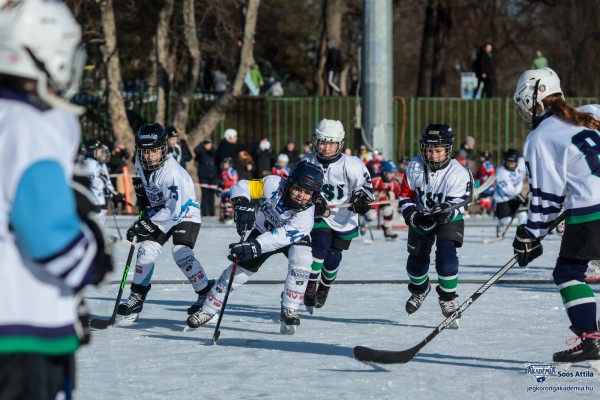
88, 213
118, 197
440, 215
144, 229
140, 193
361, 202
419, 219
527, 248
244, 214
321, 206
244, 251
521, 199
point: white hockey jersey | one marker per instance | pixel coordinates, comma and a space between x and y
343, 177
46, 251
171, 193
423, 188
279, 226
509, 183
100, 182
563, 163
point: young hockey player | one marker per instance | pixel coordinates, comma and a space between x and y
509, 200
165, 192
562, 157
227, 178
432, 183
386, 187
96, 156
53, 244
283, 224
346, 180
281, 166
485, 171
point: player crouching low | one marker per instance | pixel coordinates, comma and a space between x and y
434, 182
282, 225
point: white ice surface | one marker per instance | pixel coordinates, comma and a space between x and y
508, 328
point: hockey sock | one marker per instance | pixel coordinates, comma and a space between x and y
190, 266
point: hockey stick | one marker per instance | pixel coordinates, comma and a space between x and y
99, 323
112, 208
501, 237
217, 332
368, 354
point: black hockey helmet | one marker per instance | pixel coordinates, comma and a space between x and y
511, 155
172, 132
487, 155
148, 139
437, 135
90, 149
307, 176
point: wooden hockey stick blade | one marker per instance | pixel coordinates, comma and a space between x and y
494, 240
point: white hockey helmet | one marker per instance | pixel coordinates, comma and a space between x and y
329, 131
283, 159
230, 133
535, 85
40, 40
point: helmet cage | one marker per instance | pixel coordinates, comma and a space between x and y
307, 176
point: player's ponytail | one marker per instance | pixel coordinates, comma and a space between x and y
560, 108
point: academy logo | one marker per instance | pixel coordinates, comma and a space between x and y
541, 371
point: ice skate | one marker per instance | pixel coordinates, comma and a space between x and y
201, 298
310, 296
198, 319
389, 235
363, 229
322, 293
416, 299
131, 308
588, 350
448, 308
289, 321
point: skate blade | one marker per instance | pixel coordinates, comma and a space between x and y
562, 366
310, 309
128, 319
287, 329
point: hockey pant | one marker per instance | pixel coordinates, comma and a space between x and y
386, 212
149, 251
577, 296
299, 259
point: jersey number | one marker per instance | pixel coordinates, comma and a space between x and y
329, 192
588, 142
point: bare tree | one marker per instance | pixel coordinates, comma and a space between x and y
110, 54
162, 61
216, 114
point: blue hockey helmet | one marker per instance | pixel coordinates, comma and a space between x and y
389, 166
307, 176
148, 140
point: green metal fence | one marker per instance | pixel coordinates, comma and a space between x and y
492, 122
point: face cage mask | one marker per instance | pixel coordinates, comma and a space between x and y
320, 155
287, 198
528, 116
146, 163
434, 166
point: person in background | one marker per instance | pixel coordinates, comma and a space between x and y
264, 160
117, 161
281, 166
485, 171
539, 61
510, 202
292, 153
53, 245
227, 178
386, 188
374, 165
173, 148
562, 157
365, 155
245, 163
208, 175
306, 149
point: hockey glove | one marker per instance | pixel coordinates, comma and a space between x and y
140, 193
420, 219
321, 206
440, 215
244, 251
526, 247
244, 214
521, 199
87, 211
144, 229
361, 202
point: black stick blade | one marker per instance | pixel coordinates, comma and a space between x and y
367, 354
101, 323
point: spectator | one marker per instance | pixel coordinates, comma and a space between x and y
470, 154
275, 88
229, 147
348, 151
264, 160
539, 61
220, 81
52, 246
178, 147
365, 155
208, 175
293, 154
306, 149
333, 65
245, 164
256, 78
118, 160
485, 72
